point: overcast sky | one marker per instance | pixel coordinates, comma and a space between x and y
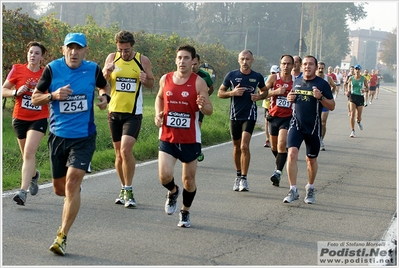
380, 15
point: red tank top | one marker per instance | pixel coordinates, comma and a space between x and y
181, 112
279, 105
24, 109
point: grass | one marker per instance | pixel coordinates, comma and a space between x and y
215, 129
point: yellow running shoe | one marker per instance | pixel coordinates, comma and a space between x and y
59, 244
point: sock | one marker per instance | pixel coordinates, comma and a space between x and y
280, 160
238, 173
293, 187
274, 153
243, 177
310, 186
129, 188
188, 197
170, 185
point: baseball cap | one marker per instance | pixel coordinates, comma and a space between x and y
77, 38
275, 69
357, 66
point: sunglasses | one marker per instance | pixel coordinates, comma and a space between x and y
357, 68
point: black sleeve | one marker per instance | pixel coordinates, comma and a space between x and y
45, 80
100, 80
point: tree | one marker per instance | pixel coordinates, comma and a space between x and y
389, 50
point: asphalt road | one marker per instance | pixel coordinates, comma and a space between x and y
356, 196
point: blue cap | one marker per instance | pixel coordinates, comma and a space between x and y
77, 38
357, 66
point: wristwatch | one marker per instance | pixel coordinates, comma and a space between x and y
14, 92
50, 97
322, 98
108, 97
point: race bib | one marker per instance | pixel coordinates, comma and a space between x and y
74, 104
282, 101
27, 103
124, 84
178, 120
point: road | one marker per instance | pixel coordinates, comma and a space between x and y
356, 196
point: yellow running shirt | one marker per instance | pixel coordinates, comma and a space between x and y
126, 89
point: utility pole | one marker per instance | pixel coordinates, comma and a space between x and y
300, 34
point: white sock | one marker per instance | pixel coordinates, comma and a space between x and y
293, 187
310, 186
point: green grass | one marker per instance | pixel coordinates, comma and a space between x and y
215, 129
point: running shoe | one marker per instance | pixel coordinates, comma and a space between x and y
243, 185
365, 104
360, 125
275, 178
201, 157
370, 102
59, 245
236, 186
353, 134
20, 197
184, 219
129, 199
33, 186
121, 198
292, 196
267, 144
309, 197
171, 202
322, 147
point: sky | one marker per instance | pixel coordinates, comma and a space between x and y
380, 15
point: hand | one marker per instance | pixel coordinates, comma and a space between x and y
280, 91
22, 89
255, 97
110, 67
159, 119
143, 77
62, 93
317, 93
103, 102
238, 91
200, 101
291, 97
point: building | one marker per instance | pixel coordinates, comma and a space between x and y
365, 49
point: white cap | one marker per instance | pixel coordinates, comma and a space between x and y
275, 69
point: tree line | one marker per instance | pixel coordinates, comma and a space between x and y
268, 29
218, 30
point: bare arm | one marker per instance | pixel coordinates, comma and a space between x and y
224, 94
332, 84
109, 66
159, 105
203, 100
146, 77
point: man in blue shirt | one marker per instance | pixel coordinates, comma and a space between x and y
242, 85
310, 94
68, 85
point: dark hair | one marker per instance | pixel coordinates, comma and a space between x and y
300, 59
245, 51
189, 49
124, 37
287, 55
37, 44
312, 57
198, 57
321, 63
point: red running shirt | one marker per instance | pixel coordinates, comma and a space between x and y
373, 80
181, 112
24, 109
279, 105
